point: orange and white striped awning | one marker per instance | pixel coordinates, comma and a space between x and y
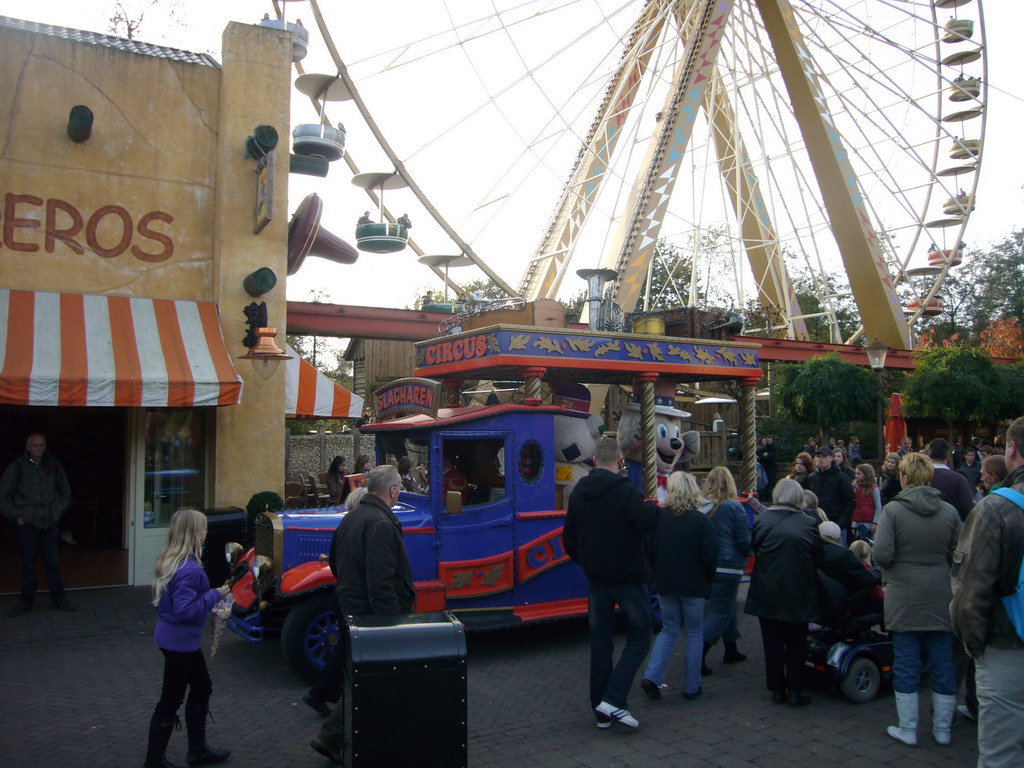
308, 394
88, 349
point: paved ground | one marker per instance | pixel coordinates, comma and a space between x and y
78, 689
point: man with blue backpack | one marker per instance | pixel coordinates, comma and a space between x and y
988, 609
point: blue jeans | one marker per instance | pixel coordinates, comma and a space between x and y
606, 683
676, 611
906, 668
721, 619
33, 542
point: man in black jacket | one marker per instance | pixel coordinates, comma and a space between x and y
766, 455
834, 492
605, 525
34, 493
374, 575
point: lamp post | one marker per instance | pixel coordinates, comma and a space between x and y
876, 352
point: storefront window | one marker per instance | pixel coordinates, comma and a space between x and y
175, 463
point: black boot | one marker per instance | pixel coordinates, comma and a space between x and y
159, 735
732, 655
199, 752
705, 670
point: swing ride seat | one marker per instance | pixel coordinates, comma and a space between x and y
313, 140
958, 206
964, 90
381, 237
443, 308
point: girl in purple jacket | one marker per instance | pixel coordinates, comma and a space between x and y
183, 597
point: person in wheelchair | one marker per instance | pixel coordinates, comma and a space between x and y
846, 592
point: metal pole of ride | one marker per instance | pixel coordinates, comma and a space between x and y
748, 439
647, 430
532, 385
451, 393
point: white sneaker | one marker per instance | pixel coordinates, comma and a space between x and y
67, 538
618, 715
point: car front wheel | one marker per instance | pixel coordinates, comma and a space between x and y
310, 632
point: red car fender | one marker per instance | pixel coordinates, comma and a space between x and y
305, 577
242, 590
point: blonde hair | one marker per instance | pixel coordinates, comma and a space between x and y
892, 455
862, 550
917, 469
184, 540
682, 493
719, 485
811, 503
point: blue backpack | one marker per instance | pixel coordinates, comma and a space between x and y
1014, 603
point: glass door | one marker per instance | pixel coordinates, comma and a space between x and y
168, 471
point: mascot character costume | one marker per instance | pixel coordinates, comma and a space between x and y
576, 434
672, 443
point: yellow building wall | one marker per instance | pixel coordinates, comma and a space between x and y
255, 89
157, 203
146, 175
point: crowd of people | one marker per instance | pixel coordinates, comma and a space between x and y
924, 547
936, 551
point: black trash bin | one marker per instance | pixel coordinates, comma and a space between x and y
223, 524
405, 691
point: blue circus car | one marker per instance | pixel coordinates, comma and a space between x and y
485, 540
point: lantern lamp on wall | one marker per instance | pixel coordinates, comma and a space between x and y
264, 354
80, 123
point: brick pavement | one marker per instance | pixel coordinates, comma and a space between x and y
78, 689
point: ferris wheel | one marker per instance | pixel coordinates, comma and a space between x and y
842, 139
801, 155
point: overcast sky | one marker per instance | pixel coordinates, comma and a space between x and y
359, 28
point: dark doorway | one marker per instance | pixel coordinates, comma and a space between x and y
90, 443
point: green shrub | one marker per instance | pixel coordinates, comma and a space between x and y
264, 501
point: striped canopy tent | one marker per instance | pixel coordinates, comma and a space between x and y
93, 350
308, 394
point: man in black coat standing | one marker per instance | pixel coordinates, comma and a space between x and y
766, 455
835, 493
605, 525
374, 576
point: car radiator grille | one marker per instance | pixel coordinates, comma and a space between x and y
264, 537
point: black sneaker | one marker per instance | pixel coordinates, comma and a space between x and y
603, 721
316, 704
65, 605
336, 757
650, 688
797, 699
